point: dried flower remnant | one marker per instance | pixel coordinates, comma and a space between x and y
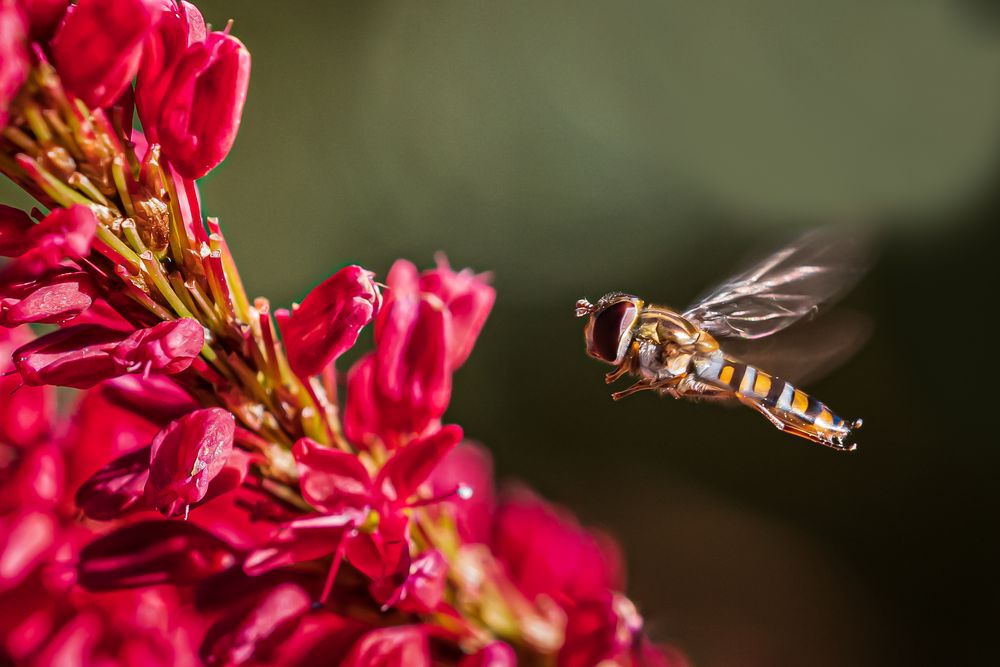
302, 524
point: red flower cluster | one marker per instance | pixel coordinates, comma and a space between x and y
200, 500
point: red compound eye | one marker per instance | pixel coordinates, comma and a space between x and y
609, 326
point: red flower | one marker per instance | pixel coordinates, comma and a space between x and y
152, 553
98, 46
180, 24
117, 488
191, 91
52, 298
83, 355
470, 465
337, 484
13, 54
270, 619
66, 233
468, 299
186, 456
423, 332
402, 646
546, 552
168, 347
76, 356
327, 322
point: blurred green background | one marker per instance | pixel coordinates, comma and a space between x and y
573, 148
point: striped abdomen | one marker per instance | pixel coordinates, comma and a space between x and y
789, 408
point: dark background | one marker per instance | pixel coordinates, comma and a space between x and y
574, 148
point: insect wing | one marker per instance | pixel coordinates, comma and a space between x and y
807, 351
783, 288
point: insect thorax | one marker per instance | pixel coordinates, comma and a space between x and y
666, 344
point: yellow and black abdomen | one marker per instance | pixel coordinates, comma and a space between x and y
786, 406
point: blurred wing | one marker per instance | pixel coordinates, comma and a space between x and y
808, 351
782, 289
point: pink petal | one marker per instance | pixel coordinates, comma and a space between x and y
98, 46
403, 474
302, 540
401, 646
168, 347
271, 619
327, 322
75, 356
152, 553
185, 456
331, 479
117, 488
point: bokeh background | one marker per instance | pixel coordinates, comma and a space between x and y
574, 148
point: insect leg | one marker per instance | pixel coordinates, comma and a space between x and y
643, 385
617, 373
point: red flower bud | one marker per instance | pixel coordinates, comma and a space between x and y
152, 553
330, 479
190, 93
66, 233
115, 489
156, 398
98, 46
424, 586
468, 299
169, 347
412, 376
180, 25
76, 356
271, 619
400, 646
13, 54
186, 456
327, 322
53, 298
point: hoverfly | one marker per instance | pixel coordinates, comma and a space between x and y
679, 354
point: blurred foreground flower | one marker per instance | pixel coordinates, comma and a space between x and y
292, 536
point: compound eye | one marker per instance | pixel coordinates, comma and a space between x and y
610, 326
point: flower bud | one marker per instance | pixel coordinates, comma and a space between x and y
468, 299
400, 646
76, 356
99, 44
66, 233
412, 376
152, 553
51, 299
327, 322
271, 618
186, 456
168, 347
180, 25
195, 116
117, 488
